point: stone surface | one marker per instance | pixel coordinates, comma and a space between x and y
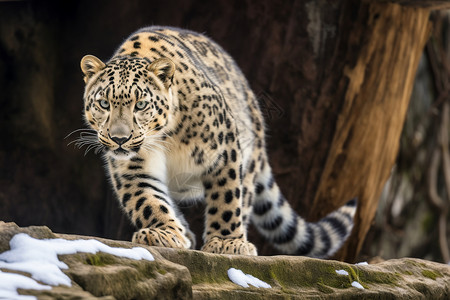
306, 278
186, 274
105, 276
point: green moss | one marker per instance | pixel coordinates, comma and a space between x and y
100, 259
378, 277
162, 272
327, 276
414, 263
407, 273
315, 271
148, 270
278, 273
324, 289
204, 270
354, 274
289, 291
431, 274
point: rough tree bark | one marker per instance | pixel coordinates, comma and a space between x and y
334, 79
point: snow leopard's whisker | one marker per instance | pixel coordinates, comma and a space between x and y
87, 138
83, 140
83, 130
97, 149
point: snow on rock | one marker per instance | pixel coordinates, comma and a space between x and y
10, 282
363, 263
242, 279
342, 272
358, 285
40, 259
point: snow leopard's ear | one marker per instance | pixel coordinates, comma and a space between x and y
164, 69
90, 65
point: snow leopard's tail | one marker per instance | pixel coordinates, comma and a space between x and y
291, 234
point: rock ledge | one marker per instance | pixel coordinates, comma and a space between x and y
187, 274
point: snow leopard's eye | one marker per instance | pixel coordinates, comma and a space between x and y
140, 105
103, 103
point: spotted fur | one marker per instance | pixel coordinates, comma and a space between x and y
180, 124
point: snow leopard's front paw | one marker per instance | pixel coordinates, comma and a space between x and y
161, 237
229, 246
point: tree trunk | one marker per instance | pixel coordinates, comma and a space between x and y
333, 78
377, 85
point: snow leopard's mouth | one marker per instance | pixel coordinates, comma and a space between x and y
121, 153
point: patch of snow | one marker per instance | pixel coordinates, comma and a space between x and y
357, 285
342, 272
10, 282
43, 271
242, 279
40, 259
363, 263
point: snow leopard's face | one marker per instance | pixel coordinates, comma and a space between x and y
127, 102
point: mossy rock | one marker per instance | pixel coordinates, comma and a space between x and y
187, 274
307, 278
105, 276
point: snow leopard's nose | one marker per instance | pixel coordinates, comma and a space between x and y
120, 140
120, 132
